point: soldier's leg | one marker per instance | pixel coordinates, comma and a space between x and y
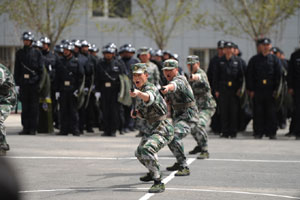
199, 132
4, 113
181, 129
258, 113
64, 114
270, 117
25, 118
74, 116
34, 109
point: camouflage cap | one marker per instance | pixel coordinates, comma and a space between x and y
139, 68
170, 64
192, 59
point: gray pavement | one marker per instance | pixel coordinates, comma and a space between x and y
94, 167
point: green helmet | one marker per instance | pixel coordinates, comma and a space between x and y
139, 68
170, 64
192, 59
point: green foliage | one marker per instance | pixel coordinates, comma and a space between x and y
255, 18
47, 17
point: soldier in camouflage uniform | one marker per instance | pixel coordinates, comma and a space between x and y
154, 78
204, 100
151, 107
180, 97
8, 99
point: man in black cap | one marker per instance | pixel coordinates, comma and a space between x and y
215, 120
263, 77
228, 78
28, 71
293, 80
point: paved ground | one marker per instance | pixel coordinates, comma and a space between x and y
94, 167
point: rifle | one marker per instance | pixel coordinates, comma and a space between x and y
133, 101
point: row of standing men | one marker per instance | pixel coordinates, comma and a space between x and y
85, 90
262, 90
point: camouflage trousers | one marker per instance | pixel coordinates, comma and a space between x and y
4, 113
161, 135
196, 127
142, 125
202, 137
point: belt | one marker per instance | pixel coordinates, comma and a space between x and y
155, 119
182, 106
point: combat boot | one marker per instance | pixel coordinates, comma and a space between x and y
174, 167
157, 188
3, 144
148, 177
195, 150
203, 155
183, 171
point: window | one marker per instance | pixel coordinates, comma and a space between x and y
112, 8
204, 55
7, 56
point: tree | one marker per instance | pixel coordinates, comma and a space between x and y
160, 20
255, 18
47, 17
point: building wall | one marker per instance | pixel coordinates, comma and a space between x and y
184, 40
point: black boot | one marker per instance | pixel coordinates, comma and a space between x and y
175, 167
195, 150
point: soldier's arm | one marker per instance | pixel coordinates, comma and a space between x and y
145, 96
291, 72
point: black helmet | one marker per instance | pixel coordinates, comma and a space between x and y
45, 40
84, 43
68, 46
158, 52
37, 43
127, 48
59, 48
28, 36
109, 48
64, 41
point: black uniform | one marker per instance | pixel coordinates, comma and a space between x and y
227, 81
293, 79
89, 104
128, 120
108, 84
215, 120
28, 71
263, 77
69, 78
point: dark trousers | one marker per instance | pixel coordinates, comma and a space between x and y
129, 121
296, 128
29, 98
264, 114
229, 111
68, 113
111, 110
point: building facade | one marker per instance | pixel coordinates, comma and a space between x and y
201, 42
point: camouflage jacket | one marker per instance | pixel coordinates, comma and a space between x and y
153, 72
202, 91
8, 94
155, 108
182, 95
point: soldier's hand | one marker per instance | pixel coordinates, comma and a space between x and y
57, 95
134, 93
251, 94
291, 91
238, 92
134, 114
17, 89
164, 90
193, 77
97, 95
217, 94
75, 93
86, 90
